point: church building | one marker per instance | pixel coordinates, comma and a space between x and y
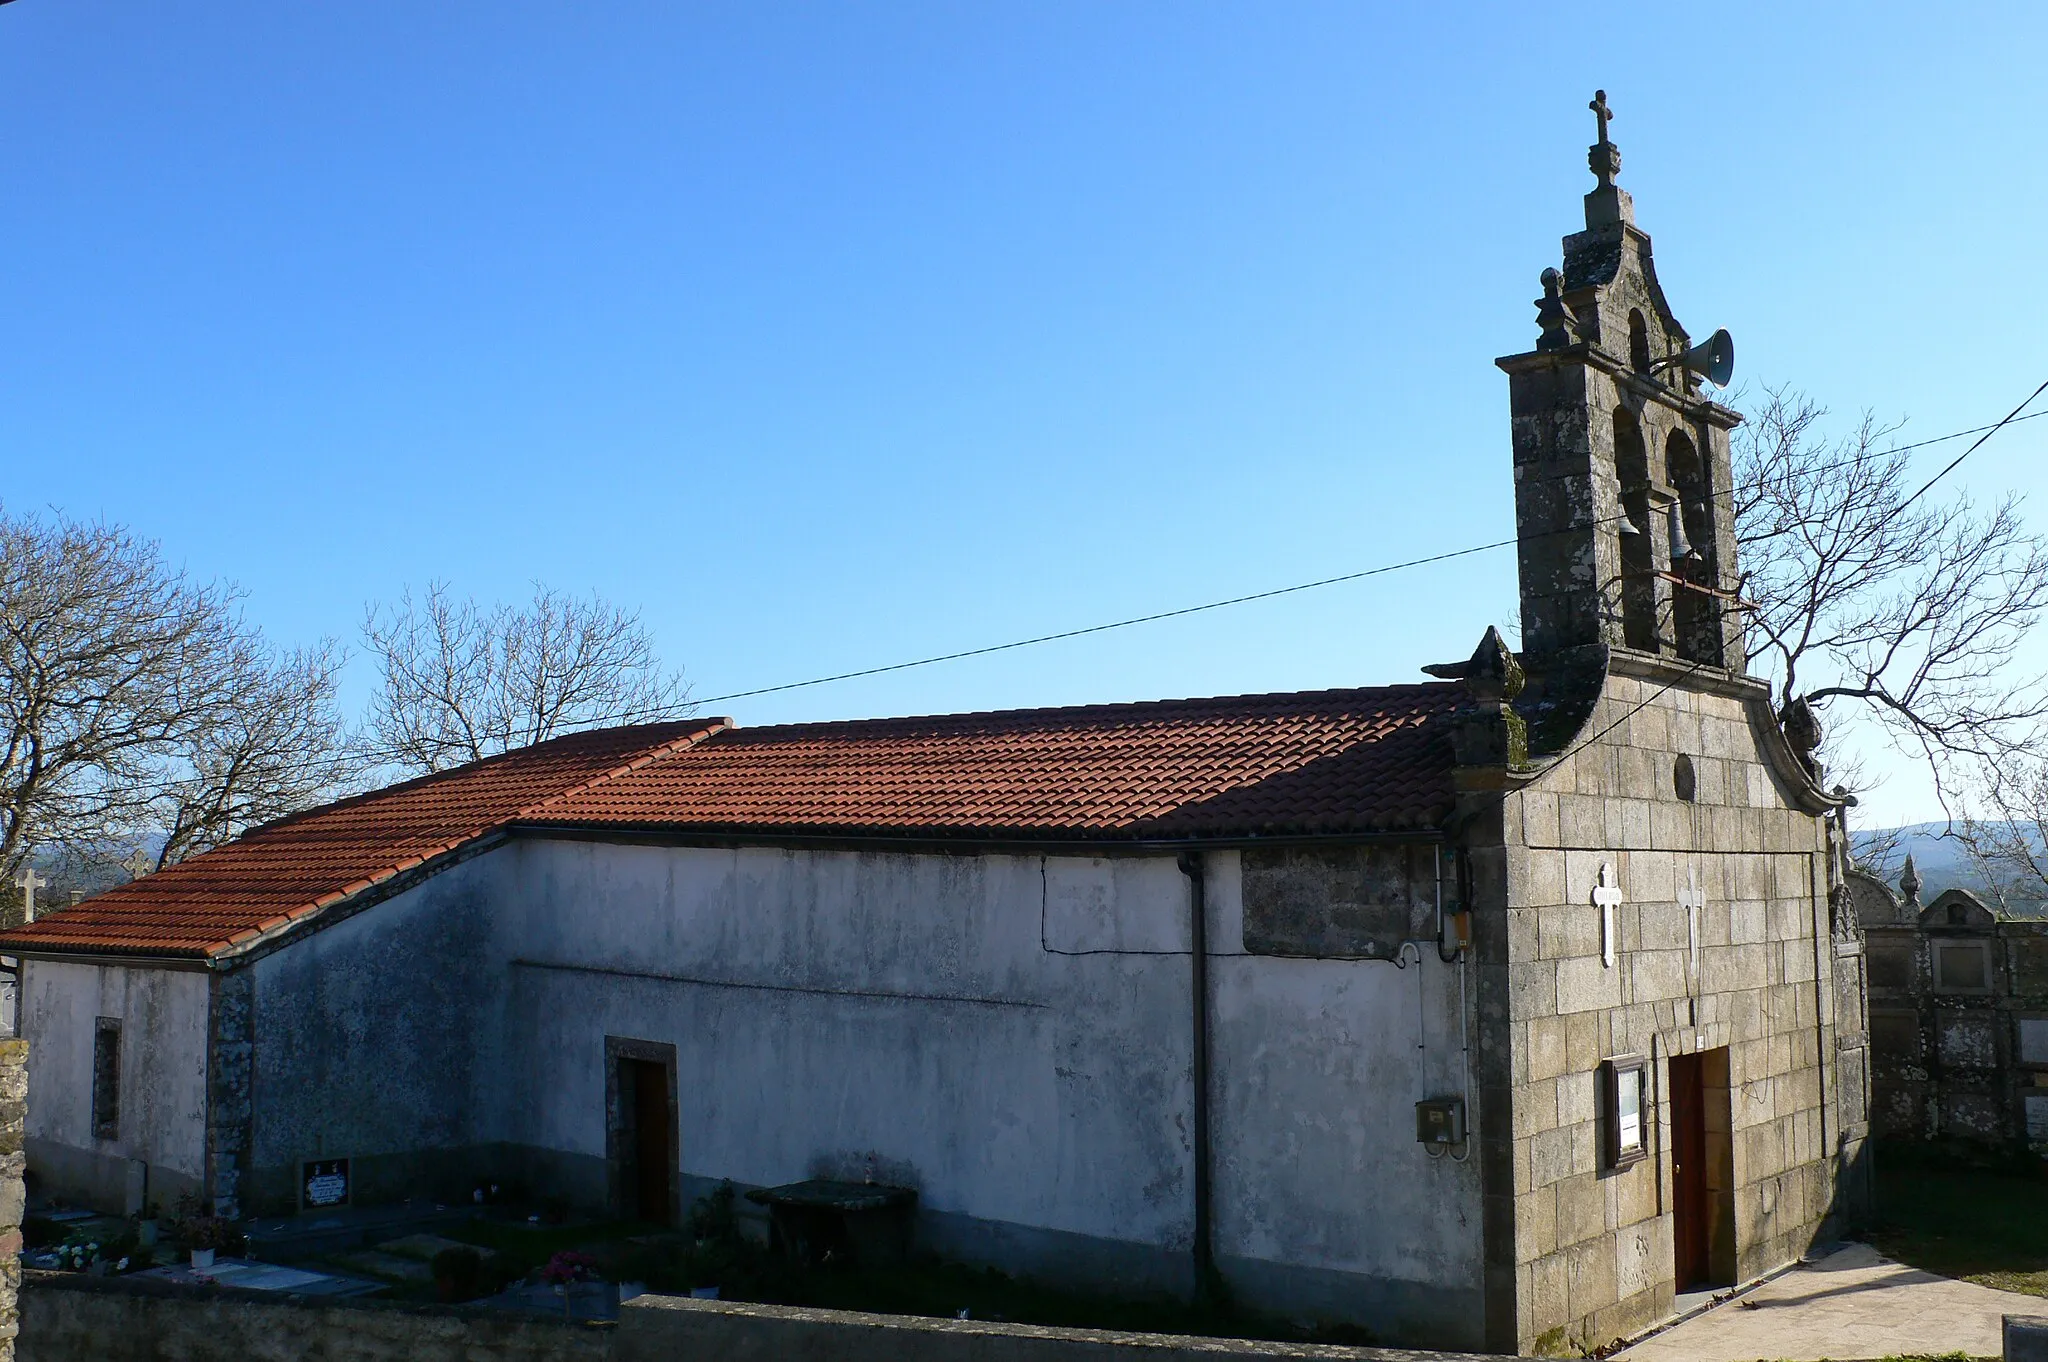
1494, 1011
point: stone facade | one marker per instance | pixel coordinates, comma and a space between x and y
1958, 1017
1651, 884
1720, 948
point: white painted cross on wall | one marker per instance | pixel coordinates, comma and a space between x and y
1607, 895
1692, 898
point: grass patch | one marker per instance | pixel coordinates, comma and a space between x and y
1988, 1226
530, 1246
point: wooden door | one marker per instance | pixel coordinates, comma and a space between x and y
1689, 1182
644, 1090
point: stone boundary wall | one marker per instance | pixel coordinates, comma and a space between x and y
13, 1193
71, 1318
663, 1328
68, 1317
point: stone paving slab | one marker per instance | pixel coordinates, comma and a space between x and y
250, 1276
1852, 1304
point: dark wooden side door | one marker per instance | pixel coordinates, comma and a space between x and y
645, 1094
1689, 1203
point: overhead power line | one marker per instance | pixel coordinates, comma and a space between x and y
1989, 431
1986, 432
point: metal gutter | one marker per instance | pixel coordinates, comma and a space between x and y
1198, 951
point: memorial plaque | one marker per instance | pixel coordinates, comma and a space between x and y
2037, 1120
2034, 1040
323, 1183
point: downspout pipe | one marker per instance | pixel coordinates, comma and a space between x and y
1198, 951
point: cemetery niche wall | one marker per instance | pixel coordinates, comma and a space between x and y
1958, 1017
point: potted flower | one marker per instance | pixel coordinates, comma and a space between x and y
567, 1270
206, 1235
78, 1254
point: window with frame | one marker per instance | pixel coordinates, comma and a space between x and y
1626, 1095
106, 1078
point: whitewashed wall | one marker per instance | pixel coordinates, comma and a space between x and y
163, 1017
367, 1042
1011, 1034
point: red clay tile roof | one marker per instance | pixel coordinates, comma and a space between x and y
1317, 762
290, 869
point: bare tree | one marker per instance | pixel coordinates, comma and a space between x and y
2005, 827
1881, 851
462, 683
1877, 606
277, 745
138, 708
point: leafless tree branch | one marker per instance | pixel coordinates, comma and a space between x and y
1879, 610
137, 707
461, 683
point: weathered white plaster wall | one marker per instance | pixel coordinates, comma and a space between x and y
163, 1016
1011, 1034
366, 1037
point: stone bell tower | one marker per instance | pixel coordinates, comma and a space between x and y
1623, 495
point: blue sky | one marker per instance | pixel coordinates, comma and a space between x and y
834, 335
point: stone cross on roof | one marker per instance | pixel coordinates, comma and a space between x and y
28, 882
1603, 158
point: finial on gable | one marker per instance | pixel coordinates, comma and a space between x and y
1493, 673
1552, 315
1486, 731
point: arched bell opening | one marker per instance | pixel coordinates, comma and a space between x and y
1696, 614
1638, 341
1638, 582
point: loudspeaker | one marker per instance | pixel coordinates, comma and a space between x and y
1712, 359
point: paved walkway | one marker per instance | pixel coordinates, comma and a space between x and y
1851, 1304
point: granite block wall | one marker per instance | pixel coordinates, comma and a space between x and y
1746, 976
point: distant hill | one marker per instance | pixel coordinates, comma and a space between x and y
1943, 862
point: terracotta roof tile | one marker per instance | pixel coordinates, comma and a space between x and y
1318, 762
1340, 761
288, 869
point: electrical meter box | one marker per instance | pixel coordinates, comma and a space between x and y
1440, 1120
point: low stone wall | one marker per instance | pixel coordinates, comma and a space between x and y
13, 1106
665, 1328
70, 1318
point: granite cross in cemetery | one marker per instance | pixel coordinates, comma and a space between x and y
28, 882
